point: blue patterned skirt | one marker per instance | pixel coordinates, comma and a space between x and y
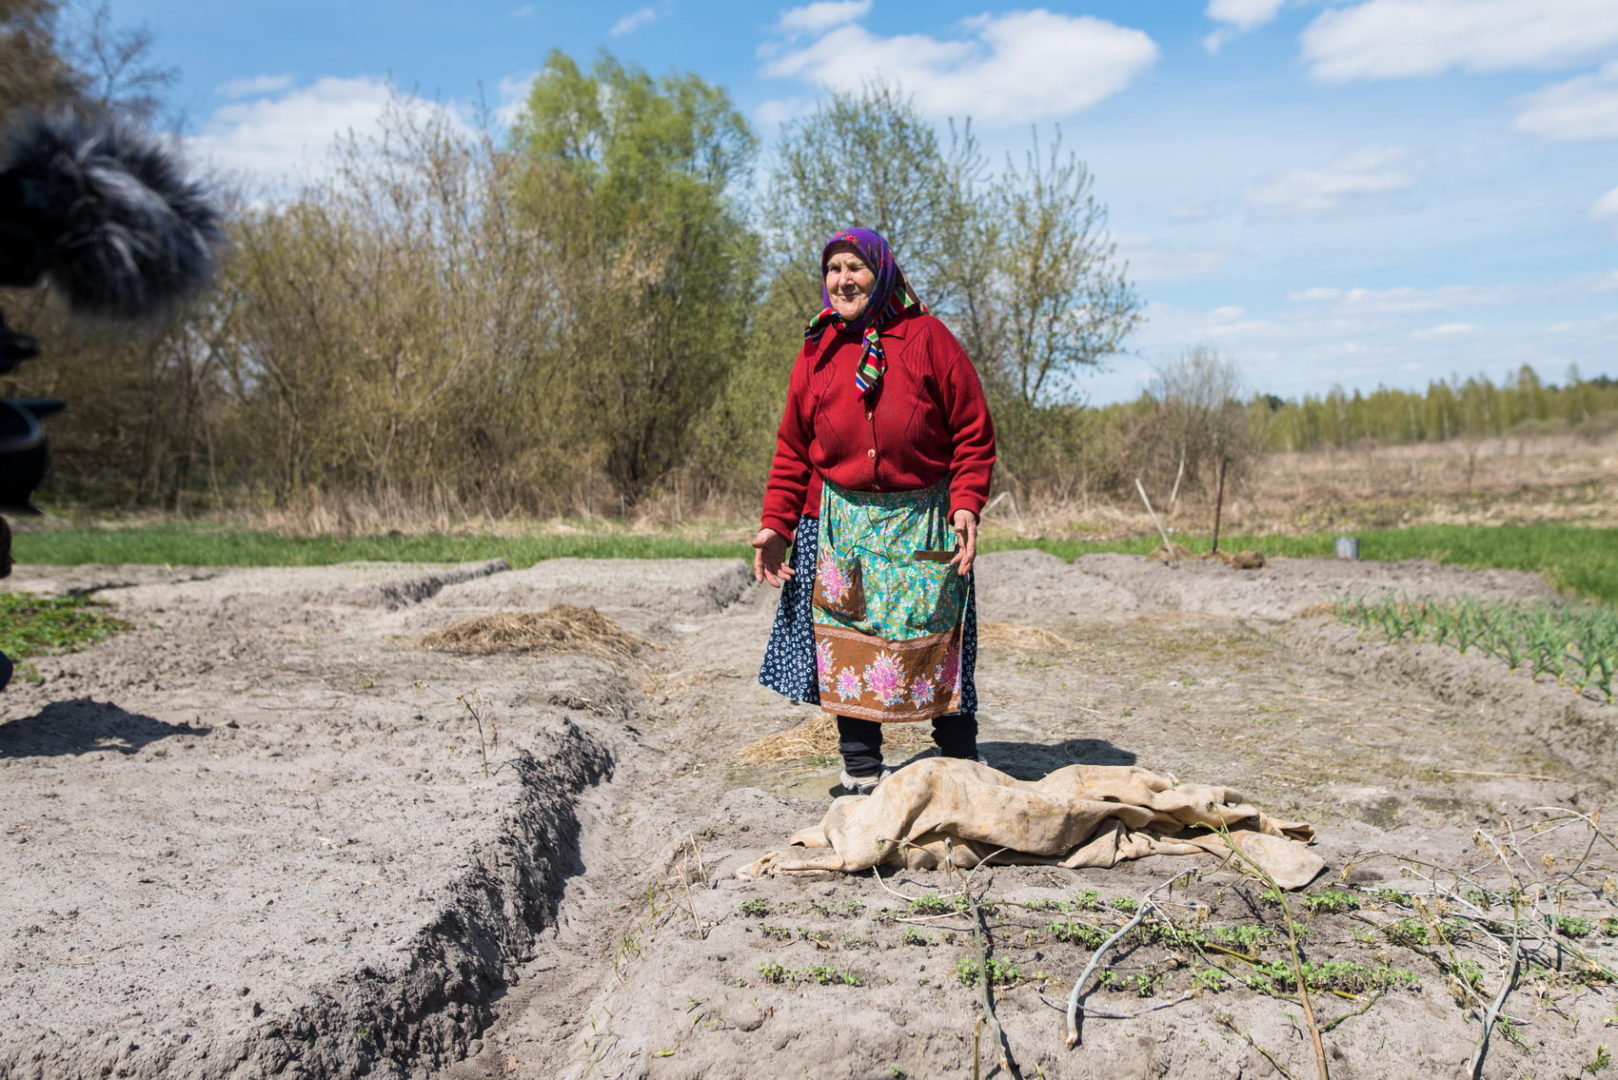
789, 658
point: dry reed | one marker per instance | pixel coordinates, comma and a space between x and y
563, 628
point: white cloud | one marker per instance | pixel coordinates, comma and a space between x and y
1151, 261
513, 91
1196, 208
777, 111
1239, 16
281, 143
1389, 39
1243, 14
1444, 330
633, 21
1015, 68
253, 87
1406, 300
1357, 181
1581, 108
819, 17
1606, 206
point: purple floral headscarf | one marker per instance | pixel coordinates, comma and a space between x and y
891, 297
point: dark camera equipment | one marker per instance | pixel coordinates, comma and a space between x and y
105, 212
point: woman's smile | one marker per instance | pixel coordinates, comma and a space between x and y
848, 282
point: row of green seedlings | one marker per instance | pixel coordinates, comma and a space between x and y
1552, 961
1239, 947
1575, 643
773, 971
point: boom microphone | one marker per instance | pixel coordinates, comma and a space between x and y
106, 213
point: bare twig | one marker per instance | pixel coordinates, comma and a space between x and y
980, 940
1361, 1011
1509, 980
1093, 1014
1168, 548
1280, 1068
980, 936
876, 872
1146, 906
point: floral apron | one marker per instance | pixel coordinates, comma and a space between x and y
888, 607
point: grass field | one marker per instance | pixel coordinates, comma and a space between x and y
1579, 560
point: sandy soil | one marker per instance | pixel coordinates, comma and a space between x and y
254, 837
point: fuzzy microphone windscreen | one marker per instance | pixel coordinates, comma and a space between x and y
124, 232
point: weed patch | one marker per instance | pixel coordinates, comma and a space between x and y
33, 625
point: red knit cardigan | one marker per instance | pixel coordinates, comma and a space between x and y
928, 420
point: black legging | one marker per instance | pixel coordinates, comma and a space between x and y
861, 741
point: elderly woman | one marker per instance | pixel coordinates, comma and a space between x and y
882, 466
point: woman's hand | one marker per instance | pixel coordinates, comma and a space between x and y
769, 558
966, 541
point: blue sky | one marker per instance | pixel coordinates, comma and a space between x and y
1357, 192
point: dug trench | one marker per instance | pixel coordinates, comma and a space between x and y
266, 833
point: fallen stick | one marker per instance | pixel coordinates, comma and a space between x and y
1074, 1009
1181, 1000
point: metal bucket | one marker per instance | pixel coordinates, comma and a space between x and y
1348, 547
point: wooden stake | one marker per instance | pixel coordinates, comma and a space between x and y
1219, 504
1168, 548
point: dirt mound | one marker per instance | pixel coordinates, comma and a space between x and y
564, 628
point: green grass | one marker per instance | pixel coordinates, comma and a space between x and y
33, 625
1583, 561
205, 545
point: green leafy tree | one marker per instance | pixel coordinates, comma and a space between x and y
870, 159
1048, 297
638, 174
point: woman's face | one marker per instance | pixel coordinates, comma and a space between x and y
848, 282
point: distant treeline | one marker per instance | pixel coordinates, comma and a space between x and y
1522, 404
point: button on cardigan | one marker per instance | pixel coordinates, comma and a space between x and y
929, 420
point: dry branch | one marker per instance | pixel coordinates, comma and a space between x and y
1074, 1009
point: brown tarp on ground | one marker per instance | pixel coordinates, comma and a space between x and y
947, 810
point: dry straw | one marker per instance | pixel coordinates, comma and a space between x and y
563, 628
817, 738
1016, 637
